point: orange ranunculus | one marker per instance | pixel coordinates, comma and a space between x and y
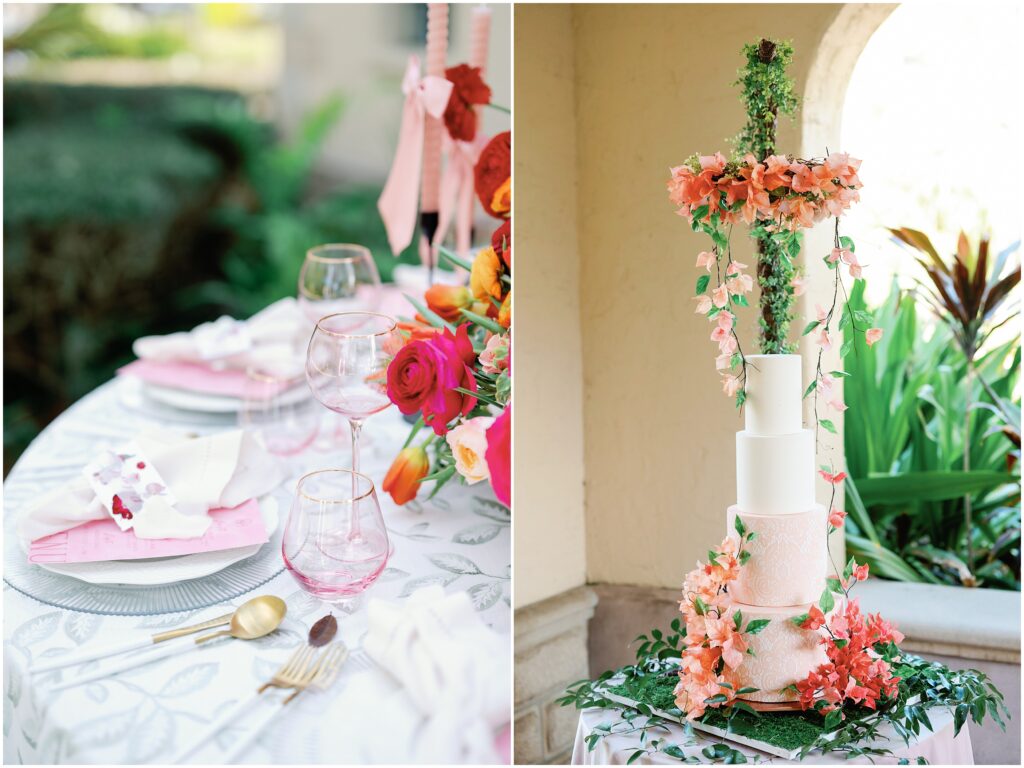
501, 203
505, 313
419, 331
447, 300
403, 478
485, 277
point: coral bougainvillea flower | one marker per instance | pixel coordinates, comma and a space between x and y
703, 304
815, 619
485, 276
493, 171
499, 456
835, 479
469, 91
448, 300
720, 296
836, 518
861, 572
706, 259
730, 385
402, 481
873, 335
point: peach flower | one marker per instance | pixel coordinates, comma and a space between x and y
823, 340
799, 285
720, 296
730, 385
703, 304
468, 442
872, 335
706, 259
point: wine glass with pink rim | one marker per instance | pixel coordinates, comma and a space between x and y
335, 542
346, 366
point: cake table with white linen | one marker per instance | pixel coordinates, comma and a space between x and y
938, 747
459, 542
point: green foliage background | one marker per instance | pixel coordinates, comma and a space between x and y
149, 210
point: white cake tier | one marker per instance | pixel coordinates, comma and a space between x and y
774, 395
775, 473
788, 558
784, 653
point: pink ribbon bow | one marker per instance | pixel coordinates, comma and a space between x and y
457, 192
398, 202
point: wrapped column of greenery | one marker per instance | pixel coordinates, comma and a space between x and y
767, 92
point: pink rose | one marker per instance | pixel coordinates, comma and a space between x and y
499, 456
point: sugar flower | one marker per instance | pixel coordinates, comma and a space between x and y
872, 335
706, 259
720, 296
703, 304
835, 479
836, 518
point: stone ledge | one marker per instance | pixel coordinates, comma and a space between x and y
540, 622
953, 621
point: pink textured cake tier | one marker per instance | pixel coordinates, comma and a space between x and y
784, 653
788, 558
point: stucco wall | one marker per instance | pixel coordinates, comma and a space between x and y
654, 85
548, 410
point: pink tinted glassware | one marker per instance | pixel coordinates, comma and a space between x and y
335, 543
279, 410
346, 366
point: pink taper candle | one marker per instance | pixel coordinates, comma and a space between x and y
437, 52
479, 38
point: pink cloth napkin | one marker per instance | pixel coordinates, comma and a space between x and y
102, 540
194, 377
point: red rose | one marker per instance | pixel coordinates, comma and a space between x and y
501, 242
499, 456
417, 372
469, 90
493, 170
424, 374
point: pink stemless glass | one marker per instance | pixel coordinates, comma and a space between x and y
346, 366
335, 542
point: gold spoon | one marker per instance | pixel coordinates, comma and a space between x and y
255, 618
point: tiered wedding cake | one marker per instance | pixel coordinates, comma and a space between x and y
775, 498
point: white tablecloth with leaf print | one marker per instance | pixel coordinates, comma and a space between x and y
460, 540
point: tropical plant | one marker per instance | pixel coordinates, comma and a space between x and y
969, 296
904, 451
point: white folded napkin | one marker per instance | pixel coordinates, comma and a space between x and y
456, 678
202, 473
268, 340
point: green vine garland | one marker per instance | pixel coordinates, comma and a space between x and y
768, 92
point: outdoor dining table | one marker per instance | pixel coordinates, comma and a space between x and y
460, 540
938, 748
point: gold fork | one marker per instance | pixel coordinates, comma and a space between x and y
327, 670
297, 672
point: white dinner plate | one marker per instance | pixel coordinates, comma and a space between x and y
206, 403
167, 570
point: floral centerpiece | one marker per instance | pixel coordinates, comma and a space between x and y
453, 371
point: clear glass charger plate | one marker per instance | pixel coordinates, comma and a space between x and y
73, 594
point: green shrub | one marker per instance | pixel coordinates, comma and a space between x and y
904, 451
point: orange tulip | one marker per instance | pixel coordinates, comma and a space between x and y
485, 277
403, 478
447, 300
505, 313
